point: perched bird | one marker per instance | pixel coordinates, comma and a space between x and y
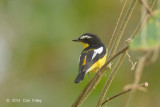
93, 55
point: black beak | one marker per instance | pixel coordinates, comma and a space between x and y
76, 40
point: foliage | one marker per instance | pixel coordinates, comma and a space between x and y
149, 36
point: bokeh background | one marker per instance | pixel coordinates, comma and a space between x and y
39, 60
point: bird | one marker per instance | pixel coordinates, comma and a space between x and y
93, 56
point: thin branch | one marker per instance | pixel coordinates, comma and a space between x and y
122, 27
138, 74
113, 35
142, 60
155, 54
123, 92
146, 7
144, 16
114, 56
114, 48
95, 80
105, 91
133, 63
110, 78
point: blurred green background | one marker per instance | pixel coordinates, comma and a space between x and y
39, 60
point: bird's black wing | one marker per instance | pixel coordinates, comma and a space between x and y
82, 60
90, 59
81, 73
86, 60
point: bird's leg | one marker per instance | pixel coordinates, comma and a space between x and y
89, 76
99, 72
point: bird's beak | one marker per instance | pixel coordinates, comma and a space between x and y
76, 40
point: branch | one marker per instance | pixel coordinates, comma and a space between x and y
114, 48
95, 80
122, 27
146, 7
138, 74
145, 15
110, 78
140, 66
114, 56
104, 91
113, 35
123, 92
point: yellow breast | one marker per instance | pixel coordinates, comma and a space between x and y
98, 64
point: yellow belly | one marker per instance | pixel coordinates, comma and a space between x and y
98, 64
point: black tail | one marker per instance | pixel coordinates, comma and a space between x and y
80, 77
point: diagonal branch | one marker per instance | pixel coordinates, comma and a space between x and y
144, 16
104, 91
138, 74
142, 60
146, 7
123, 27
123, 92
114, 48
113, 35
110, 78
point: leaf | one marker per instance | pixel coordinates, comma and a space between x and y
149, 36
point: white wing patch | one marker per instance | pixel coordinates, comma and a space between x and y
88, 70
97, 51
85, 36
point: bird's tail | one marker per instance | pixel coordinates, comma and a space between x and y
80, 77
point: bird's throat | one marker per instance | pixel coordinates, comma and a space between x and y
85, 45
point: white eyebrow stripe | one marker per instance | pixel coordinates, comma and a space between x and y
85, 36
97, 51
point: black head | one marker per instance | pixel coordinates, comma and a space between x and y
89, 38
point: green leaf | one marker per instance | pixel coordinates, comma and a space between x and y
149, 36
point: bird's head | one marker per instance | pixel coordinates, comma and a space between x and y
88, 39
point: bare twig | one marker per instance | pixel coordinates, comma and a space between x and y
138, 74
155, 54
122, 27
146, 7
123, 92
144, 16
110, 78
118, 53
114, 48
113, 35
142, 60
133, 63
132, 36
